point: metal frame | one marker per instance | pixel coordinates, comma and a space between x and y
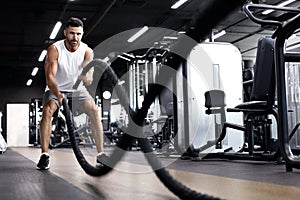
282, 32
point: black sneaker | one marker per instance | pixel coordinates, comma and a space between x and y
43, 163
102, 160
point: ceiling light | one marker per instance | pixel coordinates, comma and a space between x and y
178, 4
129, 55
138, 34
34, 71
124, 58
219, 34
42, 56
266, 12
55, 30
29, 82
170, 38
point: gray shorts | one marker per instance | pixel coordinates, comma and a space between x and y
77, 97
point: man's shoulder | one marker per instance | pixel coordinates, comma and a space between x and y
59, 42
57, 45
85, 45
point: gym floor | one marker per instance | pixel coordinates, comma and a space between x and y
134, 179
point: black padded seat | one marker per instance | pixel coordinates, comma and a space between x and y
263, 91
252, 105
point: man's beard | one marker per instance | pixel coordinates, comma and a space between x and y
73, 43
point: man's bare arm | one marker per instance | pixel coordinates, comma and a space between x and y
50, 72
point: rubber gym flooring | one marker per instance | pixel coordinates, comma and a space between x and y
134, 179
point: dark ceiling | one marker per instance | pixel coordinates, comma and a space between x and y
27, 24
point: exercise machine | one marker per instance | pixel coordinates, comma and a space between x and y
282, 58
35, 114
259, 144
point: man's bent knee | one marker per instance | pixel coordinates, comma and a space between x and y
94, 110
49, 108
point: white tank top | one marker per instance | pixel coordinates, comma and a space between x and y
69, 65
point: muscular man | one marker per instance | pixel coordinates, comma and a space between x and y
64, 63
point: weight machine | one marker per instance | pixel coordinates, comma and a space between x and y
285, 108
159, 123
258, 141
59, 136
282, 58
35, 114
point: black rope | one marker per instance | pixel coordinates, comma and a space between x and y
89, 169
179, 189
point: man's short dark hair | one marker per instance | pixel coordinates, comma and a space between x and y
74, 22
